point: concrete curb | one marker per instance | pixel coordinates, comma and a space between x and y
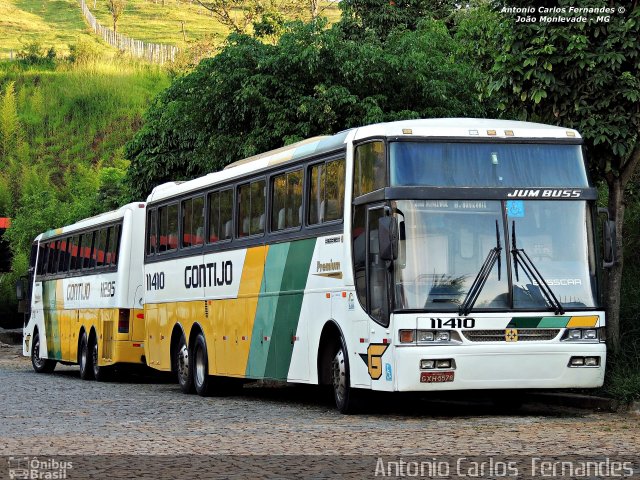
12, 337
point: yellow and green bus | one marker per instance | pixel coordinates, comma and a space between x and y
85, 294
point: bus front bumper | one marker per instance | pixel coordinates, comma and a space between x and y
500, 367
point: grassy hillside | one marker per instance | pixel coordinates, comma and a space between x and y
58, 23
62, 133
54, 23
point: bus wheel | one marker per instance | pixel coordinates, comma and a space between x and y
183, 366
40, 365
86, 367
201, 379
101, 374
344, 395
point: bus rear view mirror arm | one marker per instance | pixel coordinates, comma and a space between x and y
608, 239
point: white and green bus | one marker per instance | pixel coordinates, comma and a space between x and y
423, 255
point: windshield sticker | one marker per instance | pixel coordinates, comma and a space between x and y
515, 208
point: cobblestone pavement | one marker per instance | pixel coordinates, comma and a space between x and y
147, 414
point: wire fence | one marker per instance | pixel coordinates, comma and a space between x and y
153, 52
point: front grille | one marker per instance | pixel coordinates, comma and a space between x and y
524, 335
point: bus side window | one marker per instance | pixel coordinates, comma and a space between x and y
214, 218
192, 222
168, 227
73, 253
53, 257
101, 244
152, 232
226, 214
63, 256
286, 200
87, 242
42, 258
116, 245
370, 172
251, 203
187, 223
326, 191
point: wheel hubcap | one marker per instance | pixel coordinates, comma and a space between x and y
183, 364
339, 377
201, 367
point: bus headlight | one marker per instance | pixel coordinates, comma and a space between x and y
425, 336
443, 336
586, 335
575, 334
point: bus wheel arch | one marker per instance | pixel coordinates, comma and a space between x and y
330, 340
334, 370
40, 365
180, 356
100, 373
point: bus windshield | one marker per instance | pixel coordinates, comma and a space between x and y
444, 244
486, 165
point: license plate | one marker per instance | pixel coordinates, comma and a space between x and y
436, 377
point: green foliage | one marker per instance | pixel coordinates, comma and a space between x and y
581, 75
33, 53
380, 17
254, 97
10, 131
83, 52
64, 130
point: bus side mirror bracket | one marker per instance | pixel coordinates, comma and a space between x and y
608, 239
388, 238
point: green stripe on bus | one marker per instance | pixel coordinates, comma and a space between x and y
538, 322
524, 322
553, 322
278, 311
266, 310
294, 281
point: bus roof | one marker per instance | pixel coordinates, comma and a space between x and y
470, 128
88, 222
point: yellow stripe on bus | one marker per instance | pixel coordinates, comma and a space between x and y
589, 321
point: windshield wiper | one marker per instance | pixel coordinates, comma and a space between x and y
521, 257
493, 256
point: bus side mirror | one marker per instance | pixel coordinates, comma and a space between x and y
20, 289
608, 240
388, 238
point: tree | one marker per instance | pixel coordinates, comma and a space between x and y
116, 9
582, 75
240, 15
254, 97
384, 16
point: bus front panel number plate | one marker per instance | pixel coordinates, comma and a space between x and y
436, 377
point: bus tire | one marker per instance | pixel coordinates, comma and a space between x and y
40, 365
100, 374
201, 378
84, 358
345, 396
183, 367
